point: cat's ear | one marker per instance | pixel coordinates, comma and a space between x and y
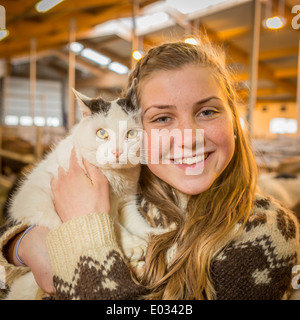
131, 94
84, 103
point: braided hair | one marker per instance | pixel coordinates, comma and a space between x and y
174, 55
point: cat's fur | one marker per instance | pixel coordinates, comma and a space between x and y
33, 203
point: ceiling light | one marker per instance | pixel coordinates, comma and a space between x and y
191, 40
76, 47
46, 5
118, 68
137, 55
3, 34
275, 23
95, 56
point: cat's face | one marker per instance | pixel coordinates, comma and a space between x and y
110, 133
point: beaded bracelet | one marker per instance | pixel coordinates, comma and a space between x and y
18, 244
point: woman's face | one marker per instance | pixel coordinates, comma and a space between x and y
197, 142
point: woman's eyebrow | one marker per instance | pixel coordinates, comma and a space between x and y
170, 106
165, 106
206, 100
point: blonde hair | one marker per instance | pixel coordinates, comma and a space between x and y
212, 215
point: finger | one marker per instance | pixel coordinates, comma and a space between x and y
94, 173
60, 172
73, 163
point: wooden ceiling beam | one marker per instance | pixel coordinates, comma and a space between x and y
79, 5
55, 32
264, 71
57, 20
106, 52
107, 81
286, 73
14, 9
261, 92
278, 74
60, 21
278, 54
80, 63
230, 34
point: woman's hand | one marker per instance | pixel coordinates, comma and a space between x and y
75, 194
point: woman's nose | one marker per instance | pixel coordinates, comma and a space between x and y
191, 136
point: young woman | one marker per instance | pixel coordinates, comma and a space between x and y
229, 242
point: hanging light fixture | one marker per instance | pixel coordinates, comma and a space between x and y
274, 20
137, 55
191, 40
3, 34
45, 5
3, 31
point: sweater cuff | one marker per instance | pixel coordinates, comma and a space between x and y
87, 236
9, 272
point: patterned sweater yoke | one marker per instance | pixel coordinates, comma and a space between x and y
88, 263
262, 257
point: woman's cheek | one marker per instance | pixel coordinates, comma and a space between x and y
157, 144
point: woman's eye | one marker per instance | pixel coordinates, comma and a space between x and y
207, 113
161, 119
131, 134
102, 134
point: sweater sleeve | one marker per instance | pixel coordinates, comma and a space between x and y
9, 272
258, 264
87, 262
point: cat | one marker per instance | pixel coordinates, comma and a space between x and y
109, 136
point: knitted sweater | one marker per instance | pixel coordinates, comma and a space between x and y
88, 263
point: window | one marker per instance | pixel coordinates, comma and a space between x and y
283, 125
11, 120
47, 106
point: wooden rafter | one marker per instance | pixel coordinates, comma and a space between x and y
238, 54
51, 32
52, 29
278, 54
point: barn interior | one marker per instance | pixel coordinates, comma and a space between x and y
49, 47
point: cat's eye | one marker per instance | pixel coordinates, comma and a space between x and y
102, 134
132, 134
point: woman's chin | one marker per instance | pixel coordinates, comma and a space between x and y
192, 188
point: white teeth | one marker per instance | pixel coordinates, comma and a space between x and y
192, 160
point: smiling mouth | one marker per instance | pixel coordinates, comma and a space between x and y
192, 160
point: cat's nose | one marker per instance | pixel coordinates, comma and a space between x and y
117, 153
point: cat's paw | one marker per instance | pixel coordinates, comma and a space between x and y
135, 253
137, 268
135, 249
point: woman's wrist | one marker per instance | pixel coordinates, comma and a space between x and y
16, 256
29, 245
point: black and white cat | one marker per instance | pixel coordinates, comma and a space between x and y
109, 136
